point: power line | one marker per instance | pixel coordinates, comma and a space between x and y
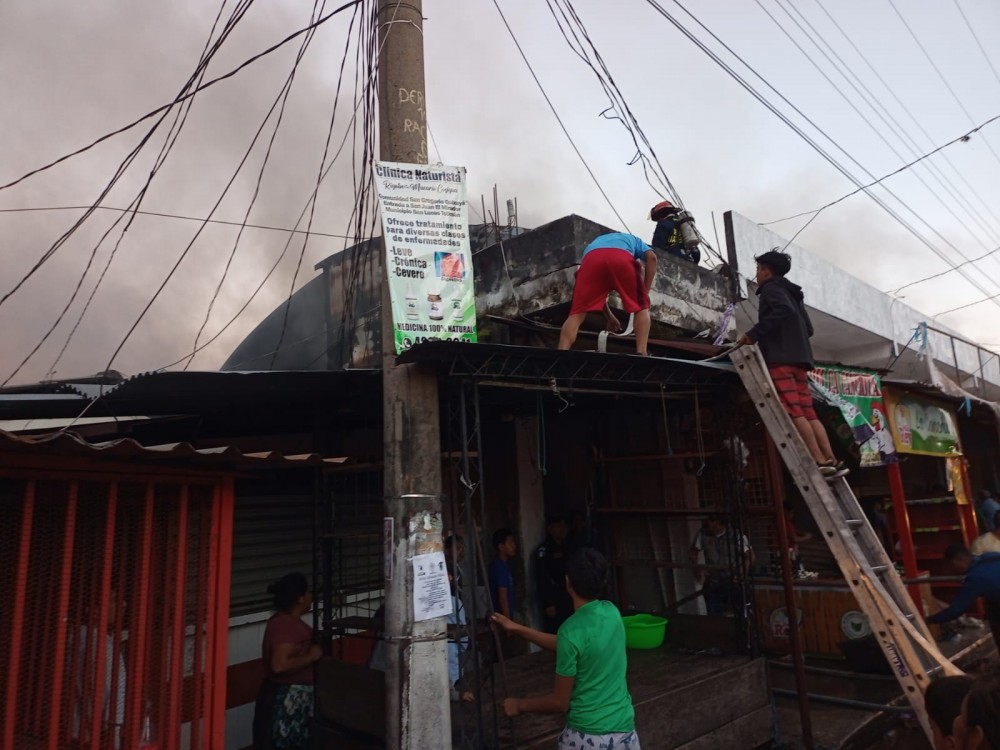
180, 120
558, 118
618, 105
940, 74
174, 132
162, 215
283, 97
979, 44
968, 304
891, 90
369, 87
868, 122
801, 133
994, 236
127, 161
215, 207
319, 179
945, 272
960, 139
186, 96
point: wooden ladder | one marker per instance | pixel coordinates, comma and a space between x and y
898, 627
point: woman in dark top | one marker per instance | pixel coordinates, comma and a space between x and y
285, 701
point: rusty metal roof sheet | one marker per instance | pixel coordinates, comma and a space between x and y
128, 450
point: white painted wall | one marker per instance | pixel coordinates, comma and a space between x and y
848, 299
245, 635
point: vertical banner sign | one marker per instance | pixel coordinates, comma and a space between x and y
857, 394
425, 225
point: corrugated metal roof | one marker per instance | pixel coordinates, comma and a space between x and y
162, 393
126, 449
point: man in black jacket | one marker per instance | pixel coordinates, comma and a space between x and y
550, 574
783, 331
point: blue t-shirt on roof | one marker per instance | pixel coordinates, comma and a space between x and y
622, 241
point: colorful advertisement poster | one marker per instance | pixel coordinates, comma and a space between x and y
922, 427
425, 225
857, 395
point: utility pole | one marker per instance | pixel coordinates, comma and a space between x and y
418, 709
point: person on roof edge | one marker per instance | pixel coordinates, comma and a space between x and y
617, 262
783, 331
667, 235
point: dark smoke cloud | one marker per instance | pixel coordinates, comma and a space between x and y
79, 70
72, 71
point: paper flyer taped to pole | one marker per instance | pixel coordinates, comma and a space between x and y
431, 588
425, 226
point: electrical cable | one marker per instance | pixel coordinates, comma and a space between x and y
190, 94
850, 103
177, 125
891, 90
892, 123
357, 266
975, 36
162, 215
283, 96
619, 105
132, 155
611, 90
801, 133
960, 139
943, 273
215, 207
558, 118
937, 70
967, 305
994, 236
179, 121
370, 84
319, 179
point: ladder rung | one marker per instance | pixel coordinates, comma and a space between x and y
855, 522
879, 568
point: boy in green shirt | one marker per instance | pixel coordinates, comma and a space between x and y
590, 664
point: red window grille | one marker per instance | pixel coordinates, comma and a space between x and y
114, 610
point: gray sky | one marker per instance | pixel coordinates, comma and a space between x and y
73, 71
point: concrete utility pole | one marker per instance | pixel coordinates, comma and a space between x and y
418, 709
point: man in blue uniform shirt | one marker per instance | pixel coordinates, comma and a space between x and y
982, 579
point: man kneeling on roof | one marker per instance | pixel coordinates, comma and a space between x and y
616, 262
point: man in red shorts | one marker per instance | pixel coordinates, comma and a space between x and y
613, 262
783, 330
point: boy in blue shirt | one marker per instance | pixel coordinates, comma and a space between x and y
501, 577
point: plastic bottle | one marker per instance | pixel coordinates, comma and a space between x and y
435, 310
412, 311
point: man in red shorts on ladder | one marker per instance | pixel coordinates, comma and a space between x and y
783, 331
613, 262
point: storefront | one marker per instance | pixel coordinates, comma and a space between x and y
931, 502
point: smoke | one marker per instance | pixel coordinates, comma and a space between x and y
78, 71
73, 71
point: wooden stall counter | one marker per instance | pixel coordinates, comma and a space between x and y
827, 612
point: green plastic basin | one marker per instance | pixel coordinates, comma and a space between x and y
644, 631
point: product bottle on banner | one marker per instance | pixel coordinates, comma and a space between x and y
428, 258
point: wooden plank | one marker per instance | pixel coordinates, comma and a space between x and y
750, 730
677, 698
